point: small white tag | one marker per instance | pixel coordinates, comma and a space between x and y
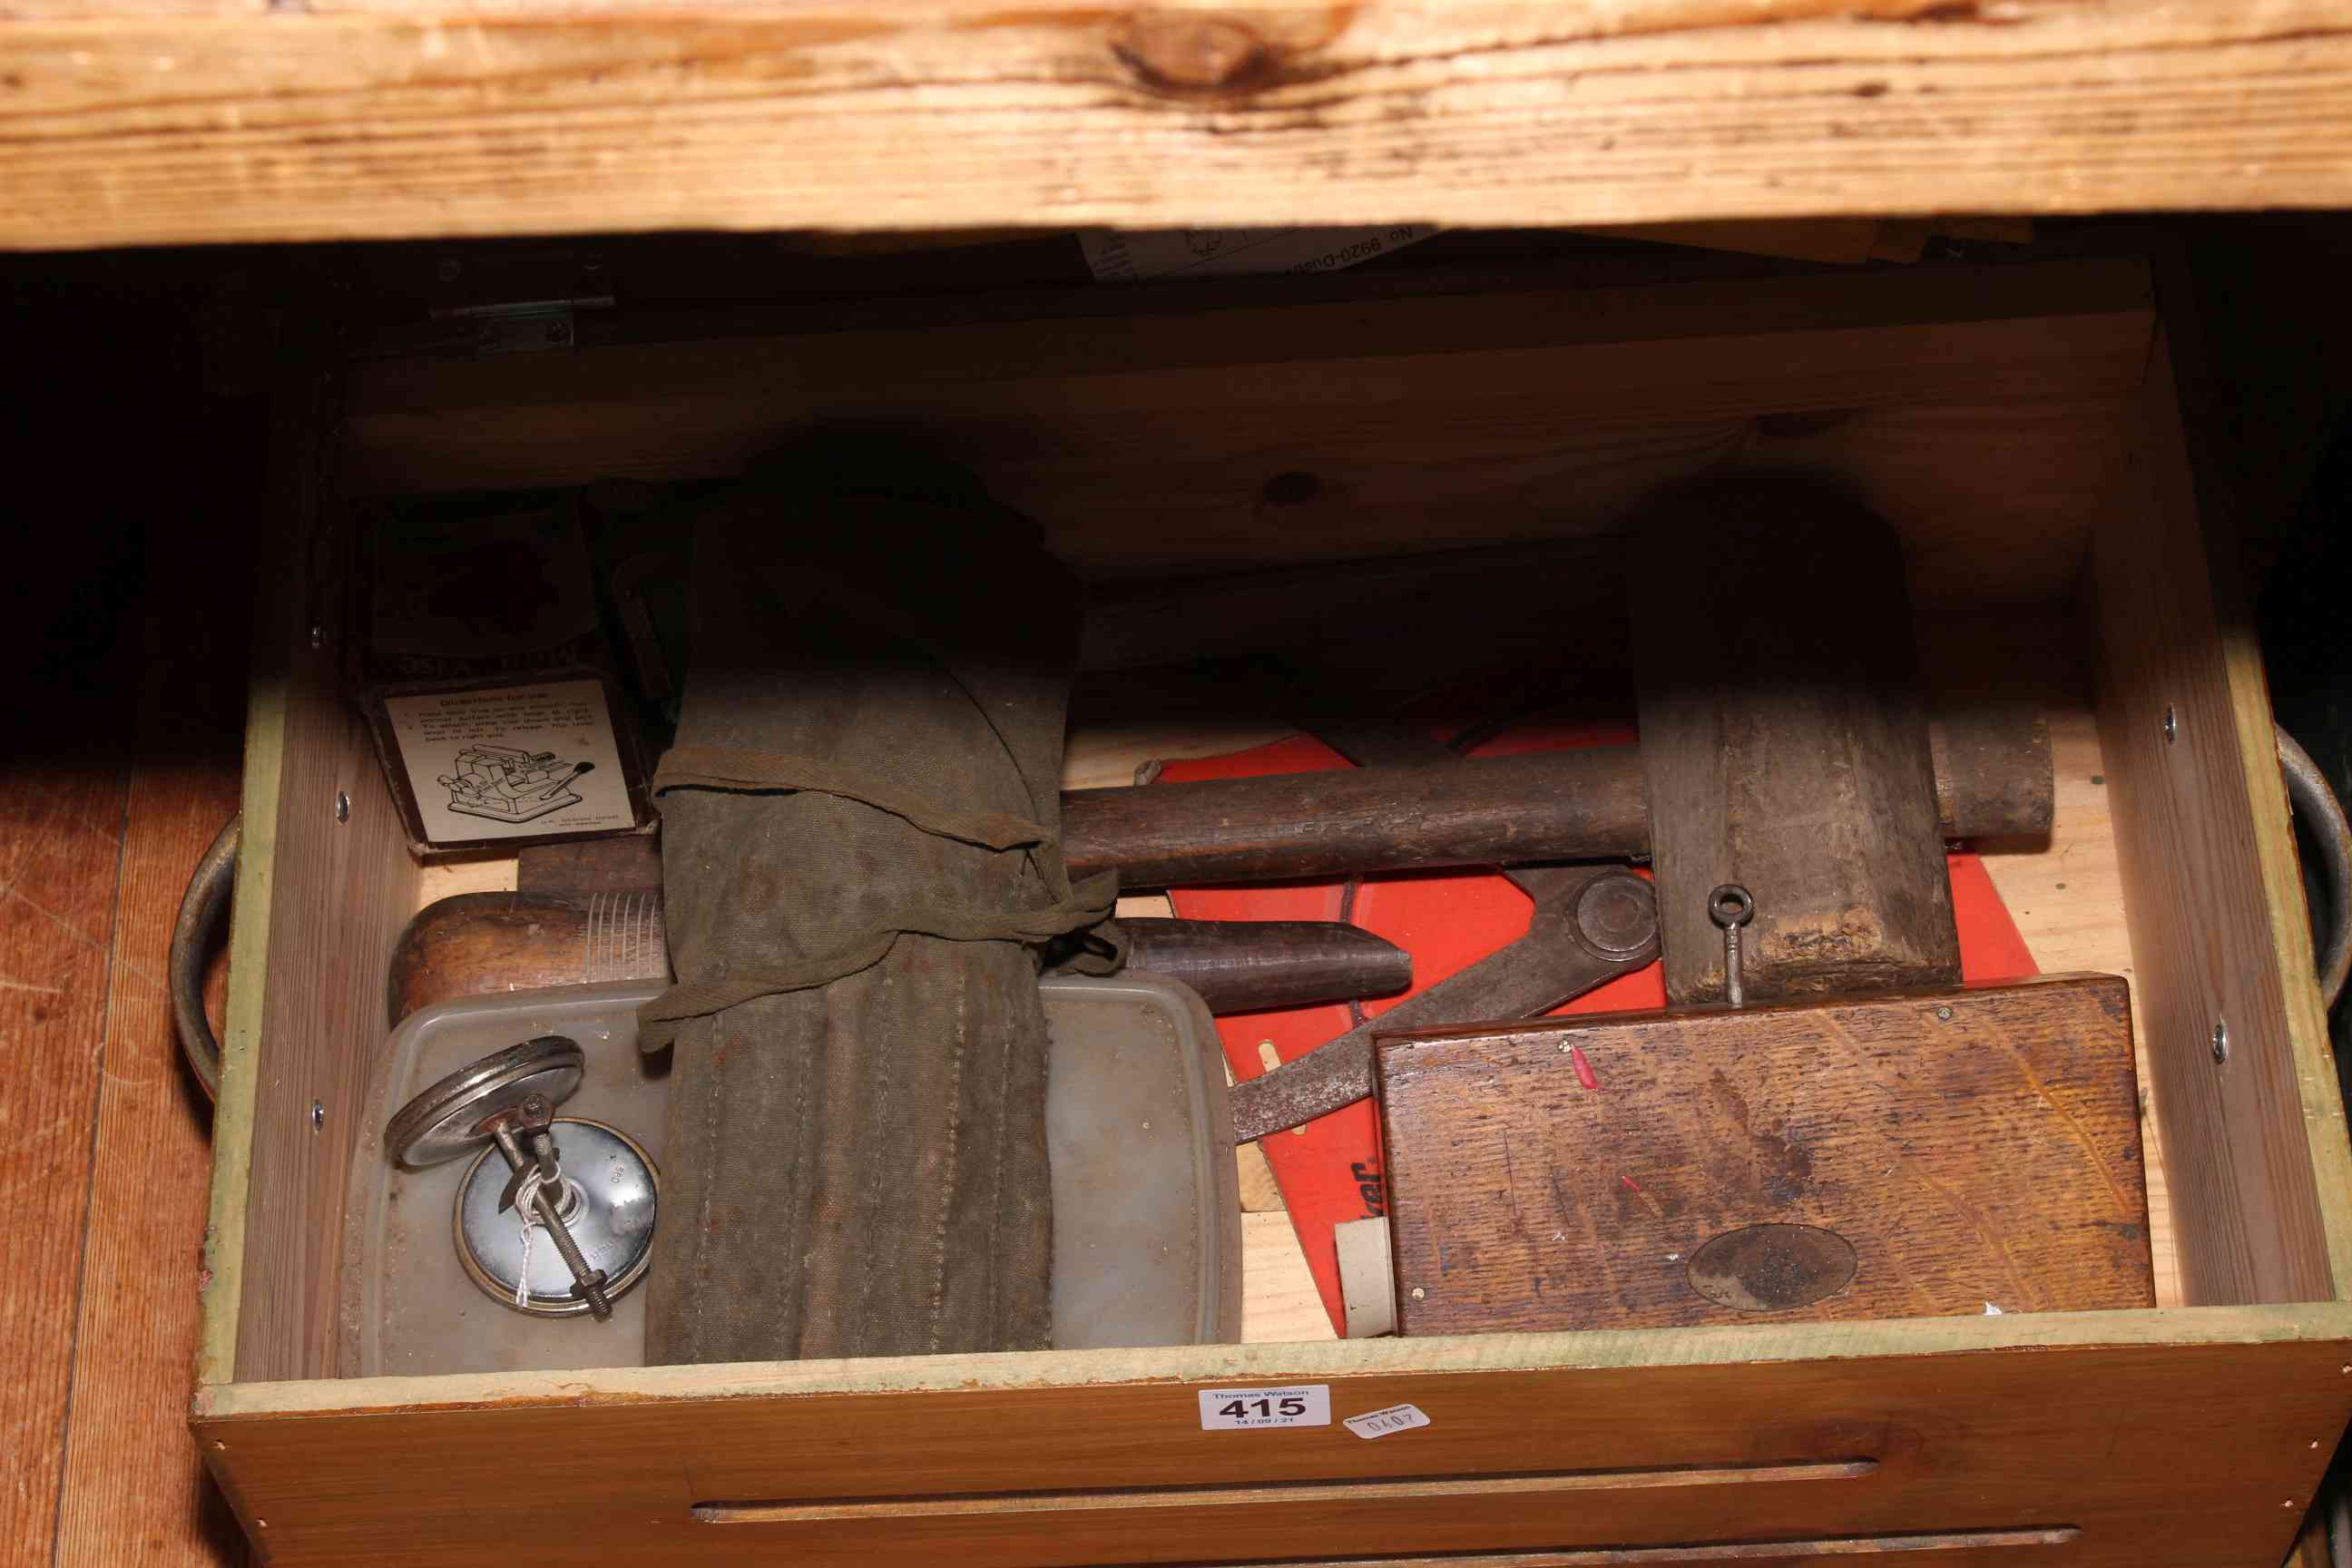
1246, 1409
1381, 1422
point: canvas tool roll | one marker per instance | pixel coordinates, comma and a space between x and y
859, 862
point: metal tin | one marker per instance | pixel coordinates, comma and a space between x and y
444, 1121
619, 1201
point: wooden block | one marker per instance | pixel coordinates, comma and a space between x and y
1784, 745
1282, 1305
630, 863
1945, 1152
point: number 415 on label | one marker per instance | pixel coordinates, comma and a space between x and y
1246, 1409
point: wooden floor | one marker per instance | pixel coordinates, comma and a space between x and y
130, 766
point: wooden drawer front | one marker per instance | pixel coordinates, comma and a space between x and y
2181, 1453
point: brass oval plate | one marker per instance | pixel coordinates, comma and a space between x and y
1772, 1268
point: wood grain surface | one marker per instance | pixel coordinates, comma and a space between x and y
2103, 1439
66, 636
1972, 1546
315, 808
134, 1488
1420, 422
1784, 746
2066, 897
130, 648
472, 944
159, 121
2203, 837
1279, 1304
630, 863
1590, 803
1949, 1152
60, 845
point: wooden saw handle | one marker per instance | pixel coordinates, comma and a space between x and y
481, 943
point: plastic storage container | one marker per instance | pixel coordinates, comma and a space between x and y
1147, 1236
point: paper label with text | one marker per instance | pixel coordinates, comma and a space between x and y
1381, 1422
1246, 1409
517, 761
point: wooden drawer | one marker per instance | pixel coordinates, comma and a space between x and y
2021, 427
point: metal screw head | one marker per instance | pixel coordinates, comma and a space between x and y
1943, 1015
318, 638
1418, 1294
317, 1116
2171, 725
343, 806
2222, 1040
449, 269
559, 331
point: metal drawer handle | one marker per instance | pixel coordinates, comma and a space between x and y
2316, 806
202, 907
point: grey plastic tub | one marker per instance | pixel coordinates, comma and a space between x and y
1147, 1222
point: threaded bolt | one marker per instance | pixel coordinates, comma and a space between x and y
591, 1280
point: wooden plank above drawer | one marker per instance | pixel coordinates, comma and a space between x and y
160, 121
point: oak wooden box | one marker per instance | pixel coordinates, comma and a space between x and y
2022, 426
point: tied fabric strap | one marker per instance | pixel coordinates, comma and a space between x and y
1078, 907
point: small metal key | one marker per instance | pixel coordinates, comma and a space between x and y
1730, 907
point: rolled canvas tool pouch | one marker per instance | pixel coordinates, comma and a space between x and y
859, 862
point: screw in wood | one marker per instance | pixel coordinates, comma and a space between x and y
1730, 907
2222, 1040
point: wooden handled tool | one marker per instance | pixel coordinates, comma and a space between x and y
1245, 966
1413, 805
1991, 779
1786, 752
478, 944
1824, 1123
